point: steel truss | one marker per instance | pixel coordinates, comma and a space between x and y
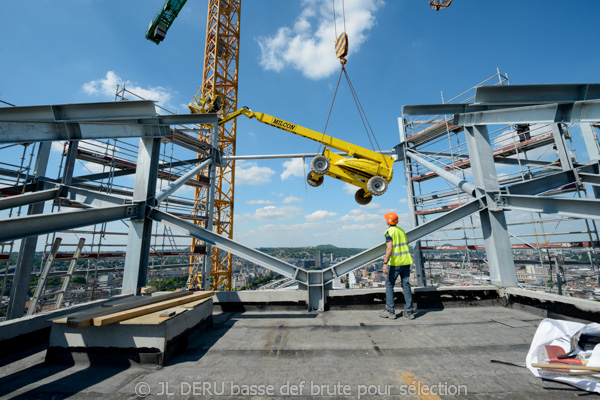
488, 197
536, 189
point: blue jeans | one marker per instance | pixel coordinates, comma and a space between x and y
390, 280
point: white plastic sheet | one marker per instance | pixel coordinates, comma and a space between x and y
559, 333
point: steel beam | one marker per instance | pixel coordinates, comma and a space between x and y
410, 190
537, 94
493, 220
210, 211
590, 179
31, 131
129, 112
414, 234
497, 160
488, 98
130, 171
18, 294
80, 111
593, 149
587, 174
90, 121
581, 111
580, 208
298, 155
441, 109
460, 183
543, 184
28, 198
34, 225
86, 197
93, 198
255, 256
173, 186
591, 141
70, 159
561, 147
140, 230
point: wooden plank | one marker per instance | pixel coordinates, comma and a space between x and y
63, 319
155, 318
135, 312
195, 303
86, 318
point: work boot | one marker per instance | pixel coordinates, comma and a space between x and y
387, 314
409, 315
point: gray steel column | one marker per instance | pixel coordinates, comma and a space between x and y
592, 147
210, 207
561, 147
493, 220
140, 230
70, 163
417, 253
18, 293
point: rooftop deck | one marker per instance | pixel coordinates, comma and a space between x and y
340, 354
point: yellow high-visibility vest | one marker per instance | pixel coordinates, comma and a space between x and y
400, 250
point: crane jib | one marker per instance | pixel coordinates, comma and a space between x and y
283, 124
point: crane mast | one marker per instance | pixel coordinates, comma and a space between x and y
219, 82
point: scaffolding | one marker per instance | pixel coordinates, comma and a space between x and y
106, 166
455, 255
524, 191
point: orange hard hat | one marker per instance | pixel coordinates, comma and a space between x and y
391, 218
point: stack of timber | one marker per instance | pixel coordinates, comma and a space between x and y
137, 329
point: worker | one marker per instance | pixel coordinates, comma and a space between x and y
397, 262
523, 131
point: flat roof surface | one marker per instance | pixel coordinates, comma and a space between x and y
335, 354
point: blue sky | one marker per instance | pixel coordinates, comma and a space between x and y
401, 52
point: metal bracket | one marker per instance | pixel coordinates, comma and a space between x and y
399, 148
217, 156
137, 210
500, 202
63, 191
497, 201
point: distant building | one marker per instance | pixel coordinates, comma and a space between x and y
319, 259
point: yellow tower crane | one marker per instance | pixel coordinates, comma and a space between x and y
219, 91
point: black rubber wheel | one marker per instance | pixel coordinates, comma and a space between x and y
377, 185
315, 182
360, 198
319, 165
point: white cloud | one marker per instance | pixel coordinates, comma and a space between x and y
93, 168
249, 173
372, 206
350, 189
107, 86
58, 147
293, 167
320, 215
259, 202
308, 46
361, 215
361, 227
271, 213
291, 199
303, 234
